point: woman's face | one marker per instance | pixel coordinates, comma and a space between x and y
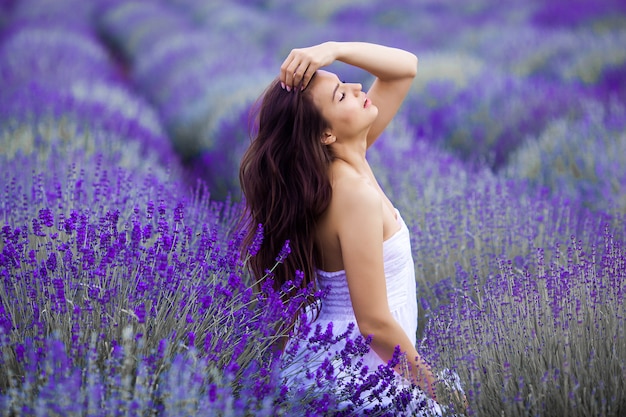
345, 106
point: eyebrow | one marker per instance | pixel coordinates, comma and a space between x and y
334, 92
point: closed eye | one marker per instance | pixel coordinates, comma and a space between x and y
343, 95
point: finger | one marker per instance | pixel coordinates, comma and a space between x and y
306, 77
313, 66
286, 71
295, 70
299, 73
290, 75
283, 76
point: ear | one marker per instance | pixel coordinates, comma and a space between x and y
328, 138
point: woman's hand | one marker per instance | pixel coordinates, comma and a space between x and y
300, 65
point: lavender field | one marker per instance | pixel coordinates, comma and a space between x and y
123, 288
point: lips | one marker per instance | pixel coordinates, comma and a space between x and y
367, 102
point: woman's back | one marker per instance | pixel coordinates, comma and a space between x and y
344, 178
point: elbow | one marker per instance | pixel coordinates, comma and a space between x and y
414, 64
374, 326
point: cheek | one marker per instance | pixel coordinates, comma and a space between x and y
346, 121
351, 114
337, 117
346, 117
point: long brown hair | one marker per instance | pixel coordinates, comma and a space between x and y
285, 183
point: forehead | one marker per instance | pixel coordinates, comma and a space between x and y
323, 84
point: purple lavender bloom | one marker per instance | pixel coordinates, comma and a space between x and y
6, 322
581, 159
257, 241
485, 115
46, 217
60, 13
577, 13
140, 312
284, 252
167, 60
52, 70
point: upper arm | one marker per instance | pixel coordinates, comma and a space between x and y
360, 233
387, 96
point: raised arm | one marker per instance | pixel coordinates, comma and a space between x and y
358, 215
393, 68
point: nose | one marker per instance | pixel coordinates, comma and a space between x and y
357, 87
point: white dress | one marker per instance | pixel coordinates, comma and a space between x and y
336, 307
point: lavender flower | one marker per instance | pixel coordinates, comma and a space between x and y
578, 158
257, 241
284, 252
539, 323
191, 115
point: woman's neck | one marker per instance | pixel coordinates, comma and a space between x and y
352, 153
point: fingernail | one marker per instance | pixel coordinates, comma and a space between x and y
282, 84
288, 88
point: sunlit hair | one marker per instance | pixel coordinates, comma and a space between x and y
285, 183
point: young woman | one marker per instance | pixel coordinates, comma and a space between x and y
306, 179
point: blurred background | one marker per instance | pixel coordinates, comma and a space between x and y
169, 83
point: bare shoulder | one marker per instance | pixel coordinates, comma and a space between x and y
354, 193
355, 208
357, 212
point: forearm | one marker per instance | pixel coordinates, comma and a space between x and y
385, 338
385, 63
